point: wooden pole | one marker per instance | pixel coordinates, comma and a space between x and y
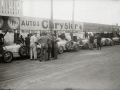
51, 22
73, 19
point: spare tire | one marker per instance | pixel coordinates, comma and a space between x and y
23, 51
86, 46
112, 43
60, 50
38, 52
68, 45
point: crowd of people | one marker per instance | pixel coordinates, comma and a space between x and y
48, 43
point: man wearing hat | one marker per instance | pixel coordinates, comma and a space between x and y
44, 40
91, 41
54, 46
49, 46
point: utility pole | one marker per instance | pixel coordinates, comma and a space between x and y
73, 19
51, 21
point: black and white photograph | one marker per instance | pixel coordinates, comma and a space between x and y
60, 44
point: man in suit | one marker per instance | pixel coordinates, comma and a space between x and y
54, 47
49, 46
91, 41
27, 41
44, 40
98, 42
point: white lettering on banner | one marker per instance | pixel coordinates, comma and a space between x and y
13, 22
1, 22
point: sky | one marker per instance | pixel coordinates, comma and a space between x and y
94, 11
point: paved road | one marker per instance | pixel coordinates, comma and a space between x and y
82, 70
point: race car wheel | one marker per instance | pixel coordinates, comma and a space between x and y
60, 50
112, 43
68, 45
86, 46
76, 47
23, 51
7, 56
38, 52
106, 42
95, 45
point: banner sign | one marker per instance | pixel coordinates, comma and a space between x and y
28, 23
67, 25
7, 22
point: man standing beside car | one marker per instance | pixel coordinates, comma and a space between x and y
27, 42
91, 41
44, 40
49, 47
54, 47
2, 41
33, 46
98, 42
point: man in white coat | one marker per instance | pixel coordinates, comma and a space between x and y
33, 46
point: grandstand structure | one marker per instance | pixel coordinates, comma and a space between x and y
11, 8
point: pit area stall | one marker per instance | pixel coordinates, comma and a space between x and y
63, 30
15, 27
104, 30
9, 26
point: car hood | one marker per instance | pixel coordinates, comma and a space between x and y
12, 48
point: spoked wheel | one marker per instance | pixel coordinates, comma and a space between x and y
76, 47
68, 45
112, 43
23, 51
38, 52
7, 56
60, 50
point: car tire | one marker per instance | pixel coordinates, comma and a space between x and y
68, 45
38, 52
7, 56
23, 51
112, 43
60, 50
76, 47
86, 46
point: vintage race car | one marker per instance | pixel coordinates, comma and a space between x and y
104, 42
116, 40
67, 45
16, 50
84, 43
109, 42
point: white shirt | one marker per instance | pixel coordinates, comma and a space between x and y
33, 39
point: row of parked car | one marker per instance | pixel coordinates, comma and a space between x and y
20, 50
